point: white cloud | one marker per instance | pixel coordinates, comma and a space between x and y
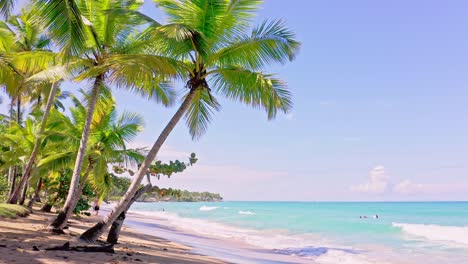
377, 183
409, 188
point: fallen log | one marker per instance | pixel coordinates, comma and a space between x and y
66, 247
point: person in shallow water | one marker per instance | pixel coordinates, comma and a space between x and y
376, 216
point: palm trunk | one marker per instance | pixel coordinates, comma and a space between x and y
85, 177
37, 143
23, 194
35, 197
116, 226
18, 110
11, 169
73, 192
94, 232
13, 181
47, 207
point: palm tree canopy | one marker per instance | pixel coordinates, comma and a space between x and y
102, 38
221, 53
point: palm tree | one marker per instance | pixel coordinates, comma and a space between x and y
210, 37
32, 44
107, 50
109, 136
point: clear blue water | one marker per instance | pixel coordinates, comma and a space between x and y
410, 227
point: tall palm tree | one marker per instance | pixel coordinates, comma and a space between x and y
32, 44
210, 37
107, 51
28, 55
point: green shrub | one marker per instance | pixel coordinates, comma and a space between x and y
12, 211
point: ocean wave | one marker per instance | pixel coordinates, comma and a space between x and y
208, 208
329, 255
452, 234
246, 213
268, 239
308, 246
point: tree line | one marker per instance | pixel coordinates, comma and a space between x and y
157, 194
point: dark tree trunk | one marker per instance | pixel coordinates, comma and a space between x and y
18, 110
35, 197
47, 207
23, 194
114, 231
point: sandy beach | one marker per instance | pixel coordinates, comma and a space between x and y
24, 240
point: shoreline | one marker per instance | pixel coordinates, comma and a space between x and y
24, 240
208, 231
225, 249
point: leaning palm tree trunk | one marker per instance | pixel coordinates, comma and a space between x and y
116, 226
94, 232
27, 171
73, 192
85, 177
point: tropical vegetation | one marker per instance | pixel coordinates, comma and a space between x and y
62, 146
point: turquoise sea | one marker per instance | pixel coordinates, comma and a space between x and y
329, 232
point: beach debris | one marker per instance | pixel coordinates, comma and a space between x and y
66, 247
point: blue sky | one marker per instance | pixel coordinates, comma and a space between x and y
380, 110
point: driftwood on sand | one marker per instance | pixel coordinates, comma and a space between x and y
67, 247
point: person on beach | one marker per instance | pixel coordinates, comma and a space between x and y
96, 206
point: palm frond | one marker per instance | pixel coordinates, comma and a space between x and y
271, 42
6, 6
253, 88
63, 19
200, 112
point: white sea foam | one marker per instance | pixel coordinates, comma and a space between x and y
308, 246
246, 213
337, 256
269, 239
451, 234
208, 208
